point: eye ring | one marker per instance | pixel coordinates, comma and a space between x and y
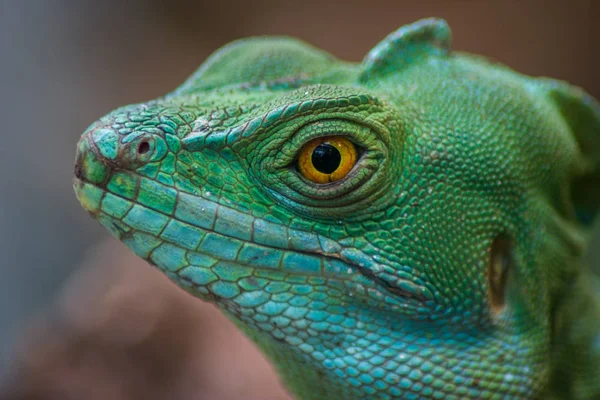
327, 159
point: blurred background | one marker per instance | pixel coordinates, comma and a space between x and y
81, 318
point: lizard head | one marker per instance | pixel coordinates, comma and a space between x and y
391, 227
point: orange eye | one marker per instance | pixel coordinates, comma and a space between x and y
327, 159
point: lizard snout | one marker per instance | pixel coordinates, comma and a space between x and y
96, 154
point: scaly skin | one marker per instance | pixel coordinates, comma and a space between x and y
445, 265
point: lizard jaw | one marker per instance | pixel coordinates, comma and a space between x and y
188, 235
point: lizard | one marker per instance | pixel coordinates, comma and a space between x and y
410, 226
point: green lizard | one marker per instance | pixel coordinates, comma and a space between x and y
411, 226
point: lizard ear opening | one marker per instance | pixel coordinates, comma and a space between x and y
410, 43
500, 264
581, 112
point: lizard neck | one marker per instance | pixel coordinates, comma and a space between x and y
576, 342
299, 375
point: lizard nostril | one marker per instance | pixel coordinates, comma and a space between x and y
501, 261
143, 147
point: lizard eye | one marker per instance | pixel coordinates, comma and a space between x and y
327, 159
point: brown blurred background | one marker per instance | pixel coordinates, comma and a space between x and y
81, 318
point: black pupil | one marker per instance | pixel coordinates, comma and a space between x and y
144, 147
326, 158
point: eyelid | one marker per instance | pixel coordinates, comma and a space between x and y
359, 135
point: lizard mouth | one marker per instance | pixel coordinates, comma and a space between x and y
186, 250
220, 233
